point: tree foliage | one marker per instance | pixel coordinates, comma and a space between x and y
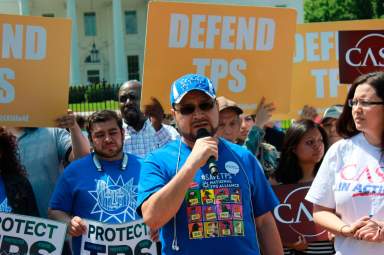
335, 10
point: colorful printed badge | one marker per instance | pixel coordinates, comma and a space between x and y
194, 213
195, 230
209, 213
238, 228
208, 196
224, 211
193, 197
222, 195
211, 229
225, 228
235, 194
237, 212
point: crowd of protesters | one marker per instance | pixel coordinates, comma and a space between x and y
342, 148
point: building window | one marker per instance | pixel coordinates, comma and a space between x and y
49, 15
133, 67
93, 76
90, 23
130, 22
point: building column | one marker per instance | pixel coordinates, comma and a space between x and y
24, 7
75, 65
121, 72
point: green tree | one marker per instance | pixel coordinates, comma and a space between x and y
334, 10
379, 8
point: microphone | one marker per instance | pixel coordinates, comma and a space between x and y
212, 166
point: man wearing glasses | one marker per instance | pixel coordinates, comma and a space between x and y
176, 177
142, 134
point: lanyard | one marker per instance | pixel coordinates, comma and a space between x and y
96, 161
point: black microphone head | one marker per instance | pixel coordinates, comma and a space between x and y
202, 132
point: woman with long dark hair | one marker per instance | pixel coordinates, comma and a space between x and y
348, 191
302, 152
16, 194
303, 149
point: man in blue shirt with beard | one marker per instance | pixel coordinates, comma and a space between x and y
101, 186
198, 211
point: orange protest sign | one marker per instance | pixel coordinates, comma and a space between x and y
315, 79
246, 51
34, 70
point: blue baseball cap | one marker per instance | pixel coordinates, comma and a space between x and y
190, 82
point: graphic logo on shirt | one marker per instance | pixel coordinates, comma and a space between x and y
114, 200
232, 167
4, 207
214, 212
362, 181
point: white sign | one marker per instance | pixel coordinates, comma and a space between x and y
117, 239
21, 234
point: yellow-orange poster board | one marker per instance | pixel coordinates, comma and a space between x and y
315, 79
34, 70
246, 51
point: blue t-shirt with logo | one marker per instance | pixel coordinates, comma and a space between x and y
108, 196
4, 206
217, 215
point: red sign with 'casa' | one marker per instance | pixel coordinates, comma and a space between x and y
294, 214
360, 52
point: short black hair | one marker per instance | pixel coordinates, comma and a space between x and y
103, 116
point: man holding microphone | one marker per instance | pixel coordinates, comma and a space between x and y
220, 207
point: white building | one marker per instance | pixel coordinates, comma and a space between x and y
108, 36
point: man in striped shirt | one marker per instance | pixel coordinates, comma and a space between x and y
142, 134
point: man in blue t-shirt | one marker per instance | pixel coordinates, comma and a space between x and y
101, 186
199, 211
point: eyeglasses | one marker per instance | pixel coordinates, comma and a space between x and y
366, 104
190, 108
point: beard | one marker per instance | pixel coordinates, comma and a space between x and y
131, 115
108, 155
192, 137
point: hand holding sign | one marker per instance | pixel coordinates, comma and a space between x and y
67, 121
127, 238
77, 226
300, 245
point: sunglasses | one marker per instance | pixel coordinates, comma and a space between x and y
190, 108
131, 96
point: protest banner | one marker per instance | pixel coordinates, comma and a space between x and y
315, 78
362, 52
245, 50
117, 239
294, 214
21, 234
34, 70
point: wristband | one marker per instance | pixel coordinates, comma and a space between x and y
341, 229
